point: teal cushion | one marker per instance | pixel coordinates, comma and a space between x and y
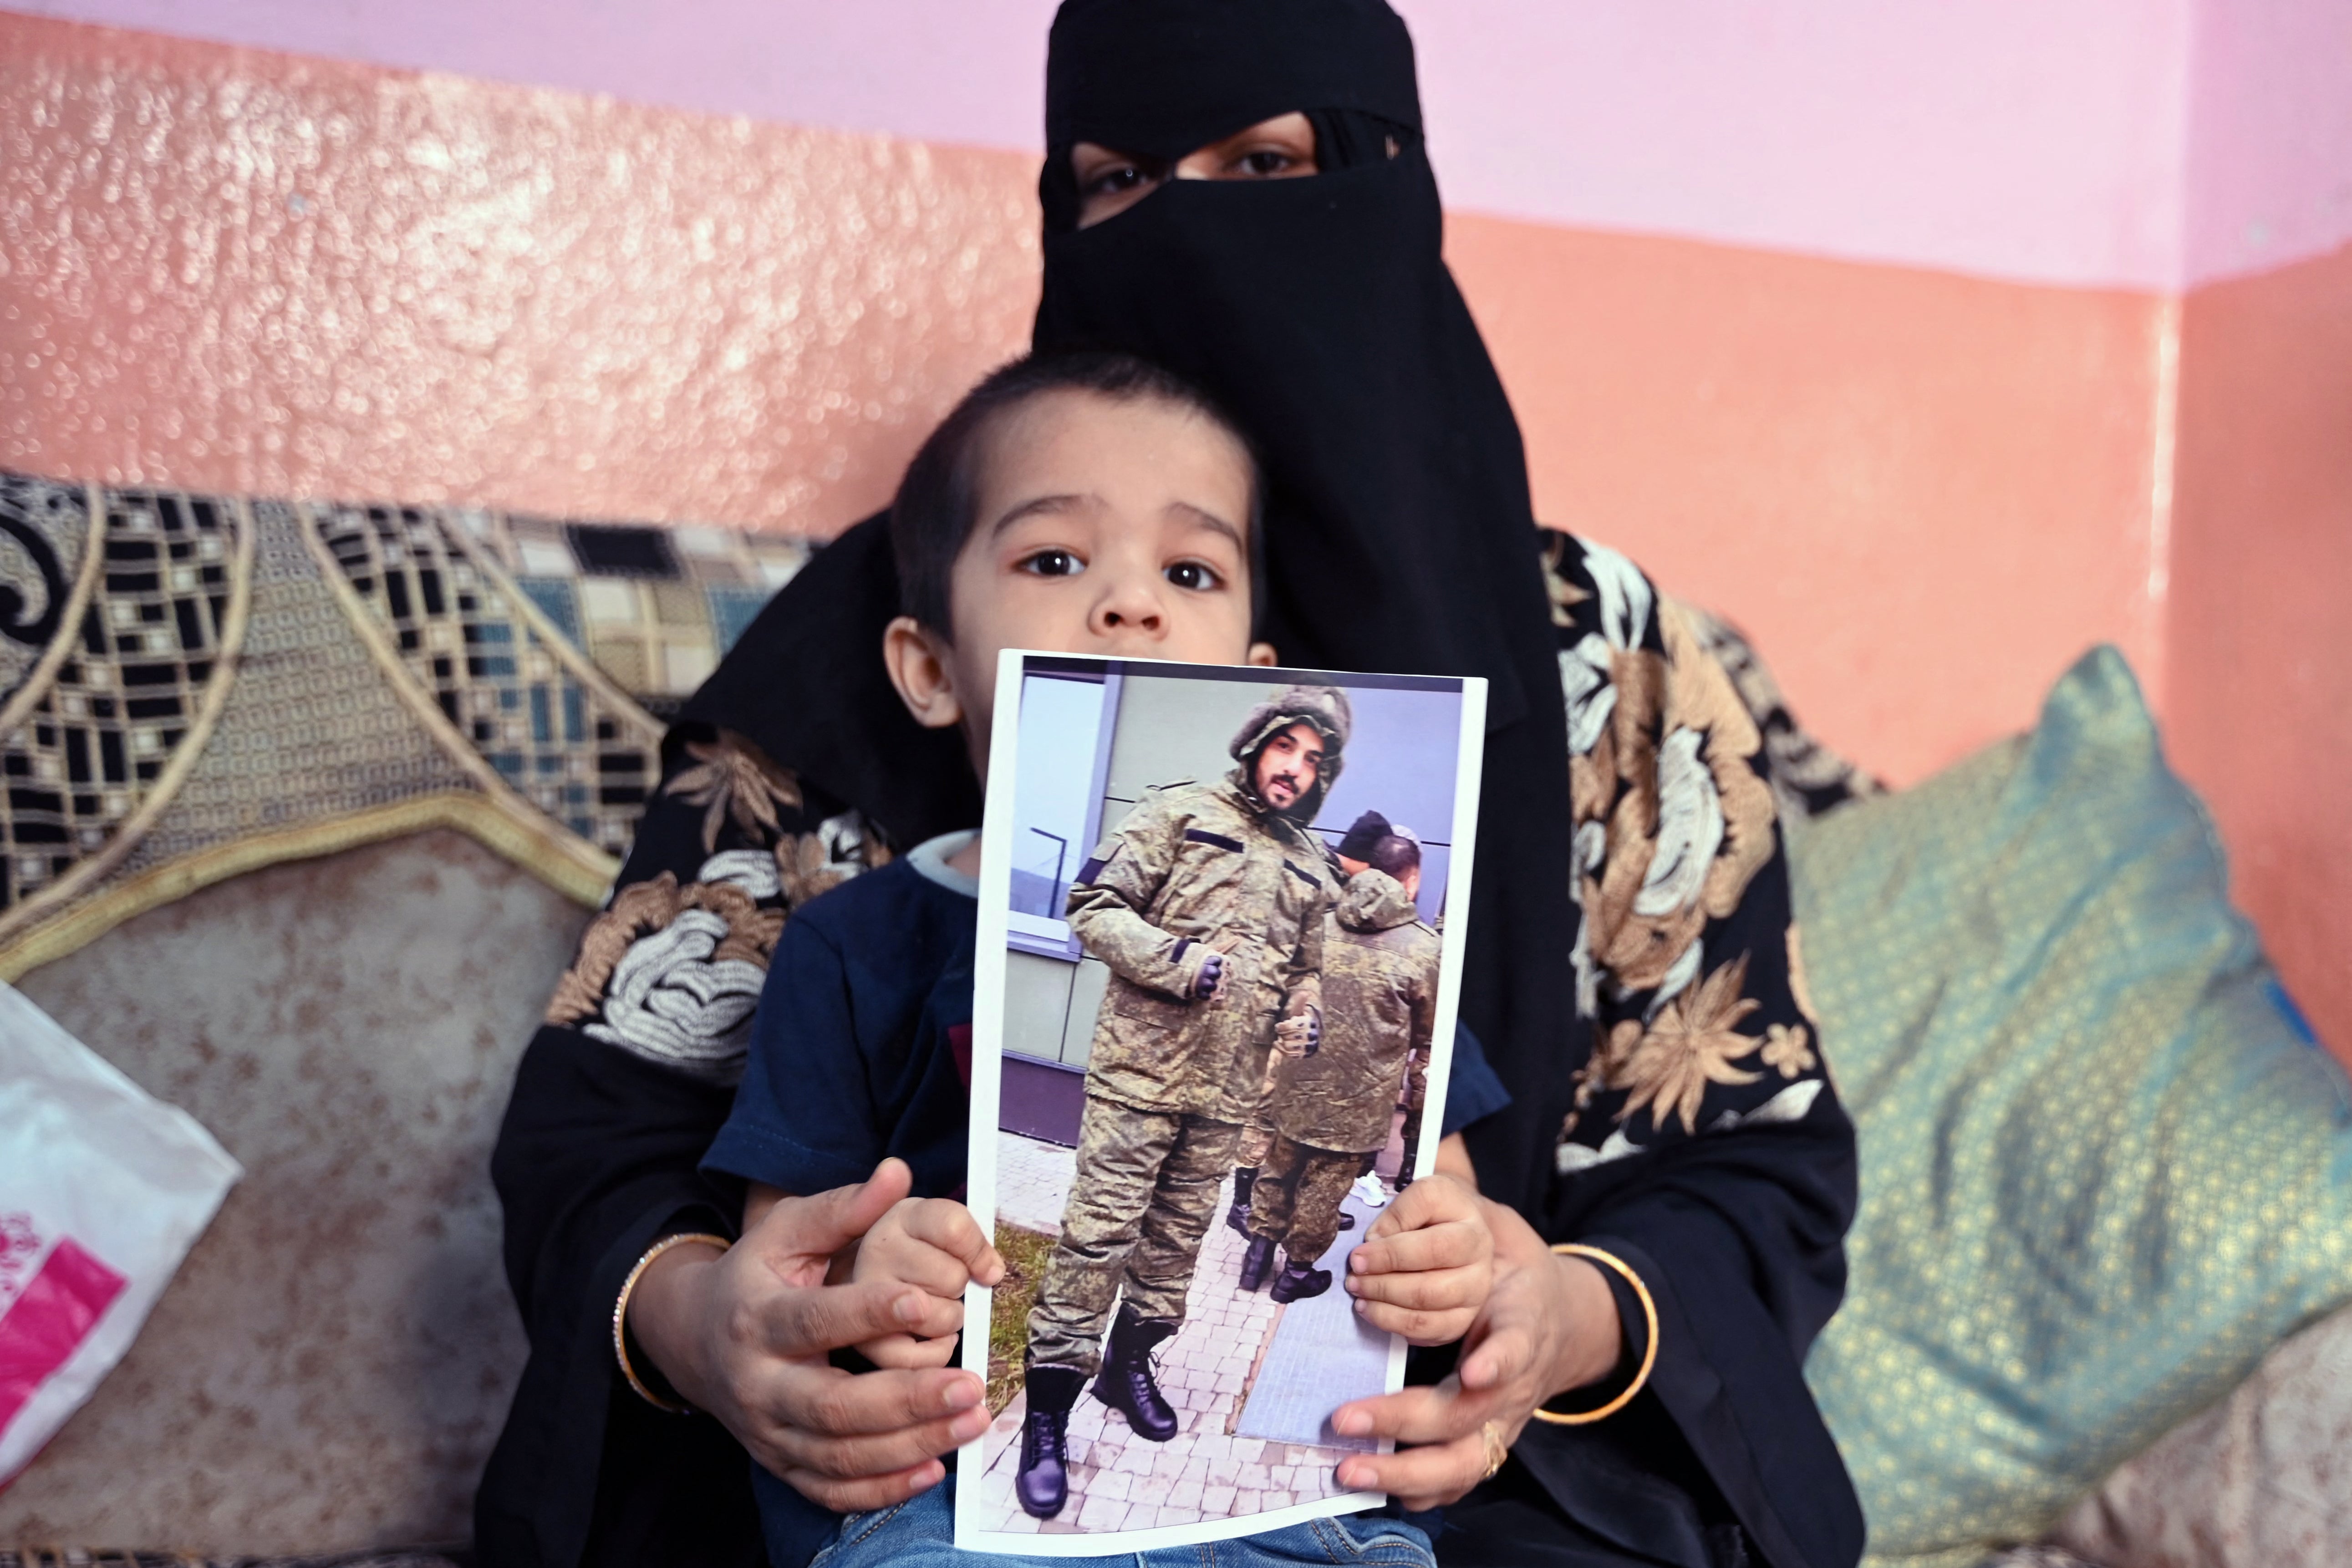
2103, 1165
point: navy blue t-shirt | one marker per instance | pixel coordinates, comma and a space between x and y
861, 1049
861, 1046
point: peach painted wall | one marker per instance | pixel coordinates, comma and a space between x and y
1922, 494
2260, 715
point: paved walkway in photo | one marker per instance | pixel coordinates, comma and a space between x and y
1322, 1356
1032, 1181
1119, 1481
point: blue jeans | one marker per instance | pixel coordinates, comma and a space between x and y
920, 1533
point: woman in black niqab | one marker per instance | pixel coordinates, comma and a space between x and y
1629, 969
1320, 310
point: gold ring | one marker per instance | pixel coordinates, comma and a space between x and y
1497, 1451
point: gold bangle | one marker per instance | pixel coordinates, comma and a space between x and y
1649, 1350
620, 1316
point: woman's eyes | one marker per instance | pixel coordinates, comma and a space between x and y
1052, 563
1118, 179
1197, 575
1263, 164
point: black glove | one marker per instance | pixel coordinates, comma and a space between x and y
1212, 970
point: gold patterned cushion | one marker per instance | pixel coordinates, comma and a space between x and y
2104, 1167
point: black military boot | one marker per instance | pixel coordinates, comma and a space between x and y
1295, 1284
1127, 1385
1245, 1178
1043, 1484
1257, 1261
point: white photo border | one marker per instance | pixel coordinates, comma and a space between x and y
987, 1061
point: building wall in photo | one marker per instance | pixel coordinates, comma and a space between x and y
1400, 760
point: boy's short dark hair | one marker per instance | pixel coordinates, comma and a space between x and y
938, 502
1395, 855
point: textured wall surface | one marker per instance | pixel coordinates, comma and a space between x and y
284, 277
333, 1361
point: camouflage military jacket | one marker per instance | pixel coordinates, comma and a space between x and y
1379, 1006
1198, 870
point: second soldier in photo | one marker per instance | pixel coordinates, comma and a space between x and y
1333, 1108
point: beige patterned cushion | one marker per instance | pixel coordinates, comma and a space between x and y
2262, 1480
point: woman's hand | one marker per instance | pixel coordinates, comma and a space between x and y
1427, 1264
1549, 1324
744, 1335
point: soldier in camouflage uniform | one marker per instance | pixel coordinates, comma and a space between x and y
1332, 1107
1343, 860
1207, 905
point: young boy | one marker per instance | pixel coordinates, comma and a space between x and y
1088, 504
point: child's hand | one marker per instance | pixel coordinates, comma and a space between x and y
1427, 1263
934, 1244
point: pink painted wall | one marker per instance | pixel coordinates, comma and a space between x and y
2037, 140
2269, 134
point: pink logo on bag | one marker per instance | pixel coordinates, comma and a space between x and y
18, 1242
54, 1310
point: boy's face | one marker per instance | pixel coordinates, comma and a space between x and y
1288, 765
1112, 528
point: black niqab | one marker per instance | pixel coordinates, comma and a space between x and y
1398, 534
1320, 310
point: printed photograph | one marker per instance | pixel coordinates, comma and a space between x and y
1213, 1001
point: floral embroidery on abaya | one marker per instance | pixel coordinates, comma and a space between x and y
1686, 967
672, 970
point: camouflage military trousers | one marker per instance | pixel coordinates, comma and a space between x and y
1416, 1094
1257, 1133
1145, 1191
1298, 1196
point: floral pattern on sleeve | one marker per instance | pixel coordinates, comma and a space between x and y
730, 845
1685, 959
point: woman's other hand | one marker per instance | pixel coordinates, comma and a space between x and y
745, 1334
1549, 1324
1427, 1265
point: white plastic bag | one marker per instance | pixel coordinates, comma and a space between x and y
102, 1191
